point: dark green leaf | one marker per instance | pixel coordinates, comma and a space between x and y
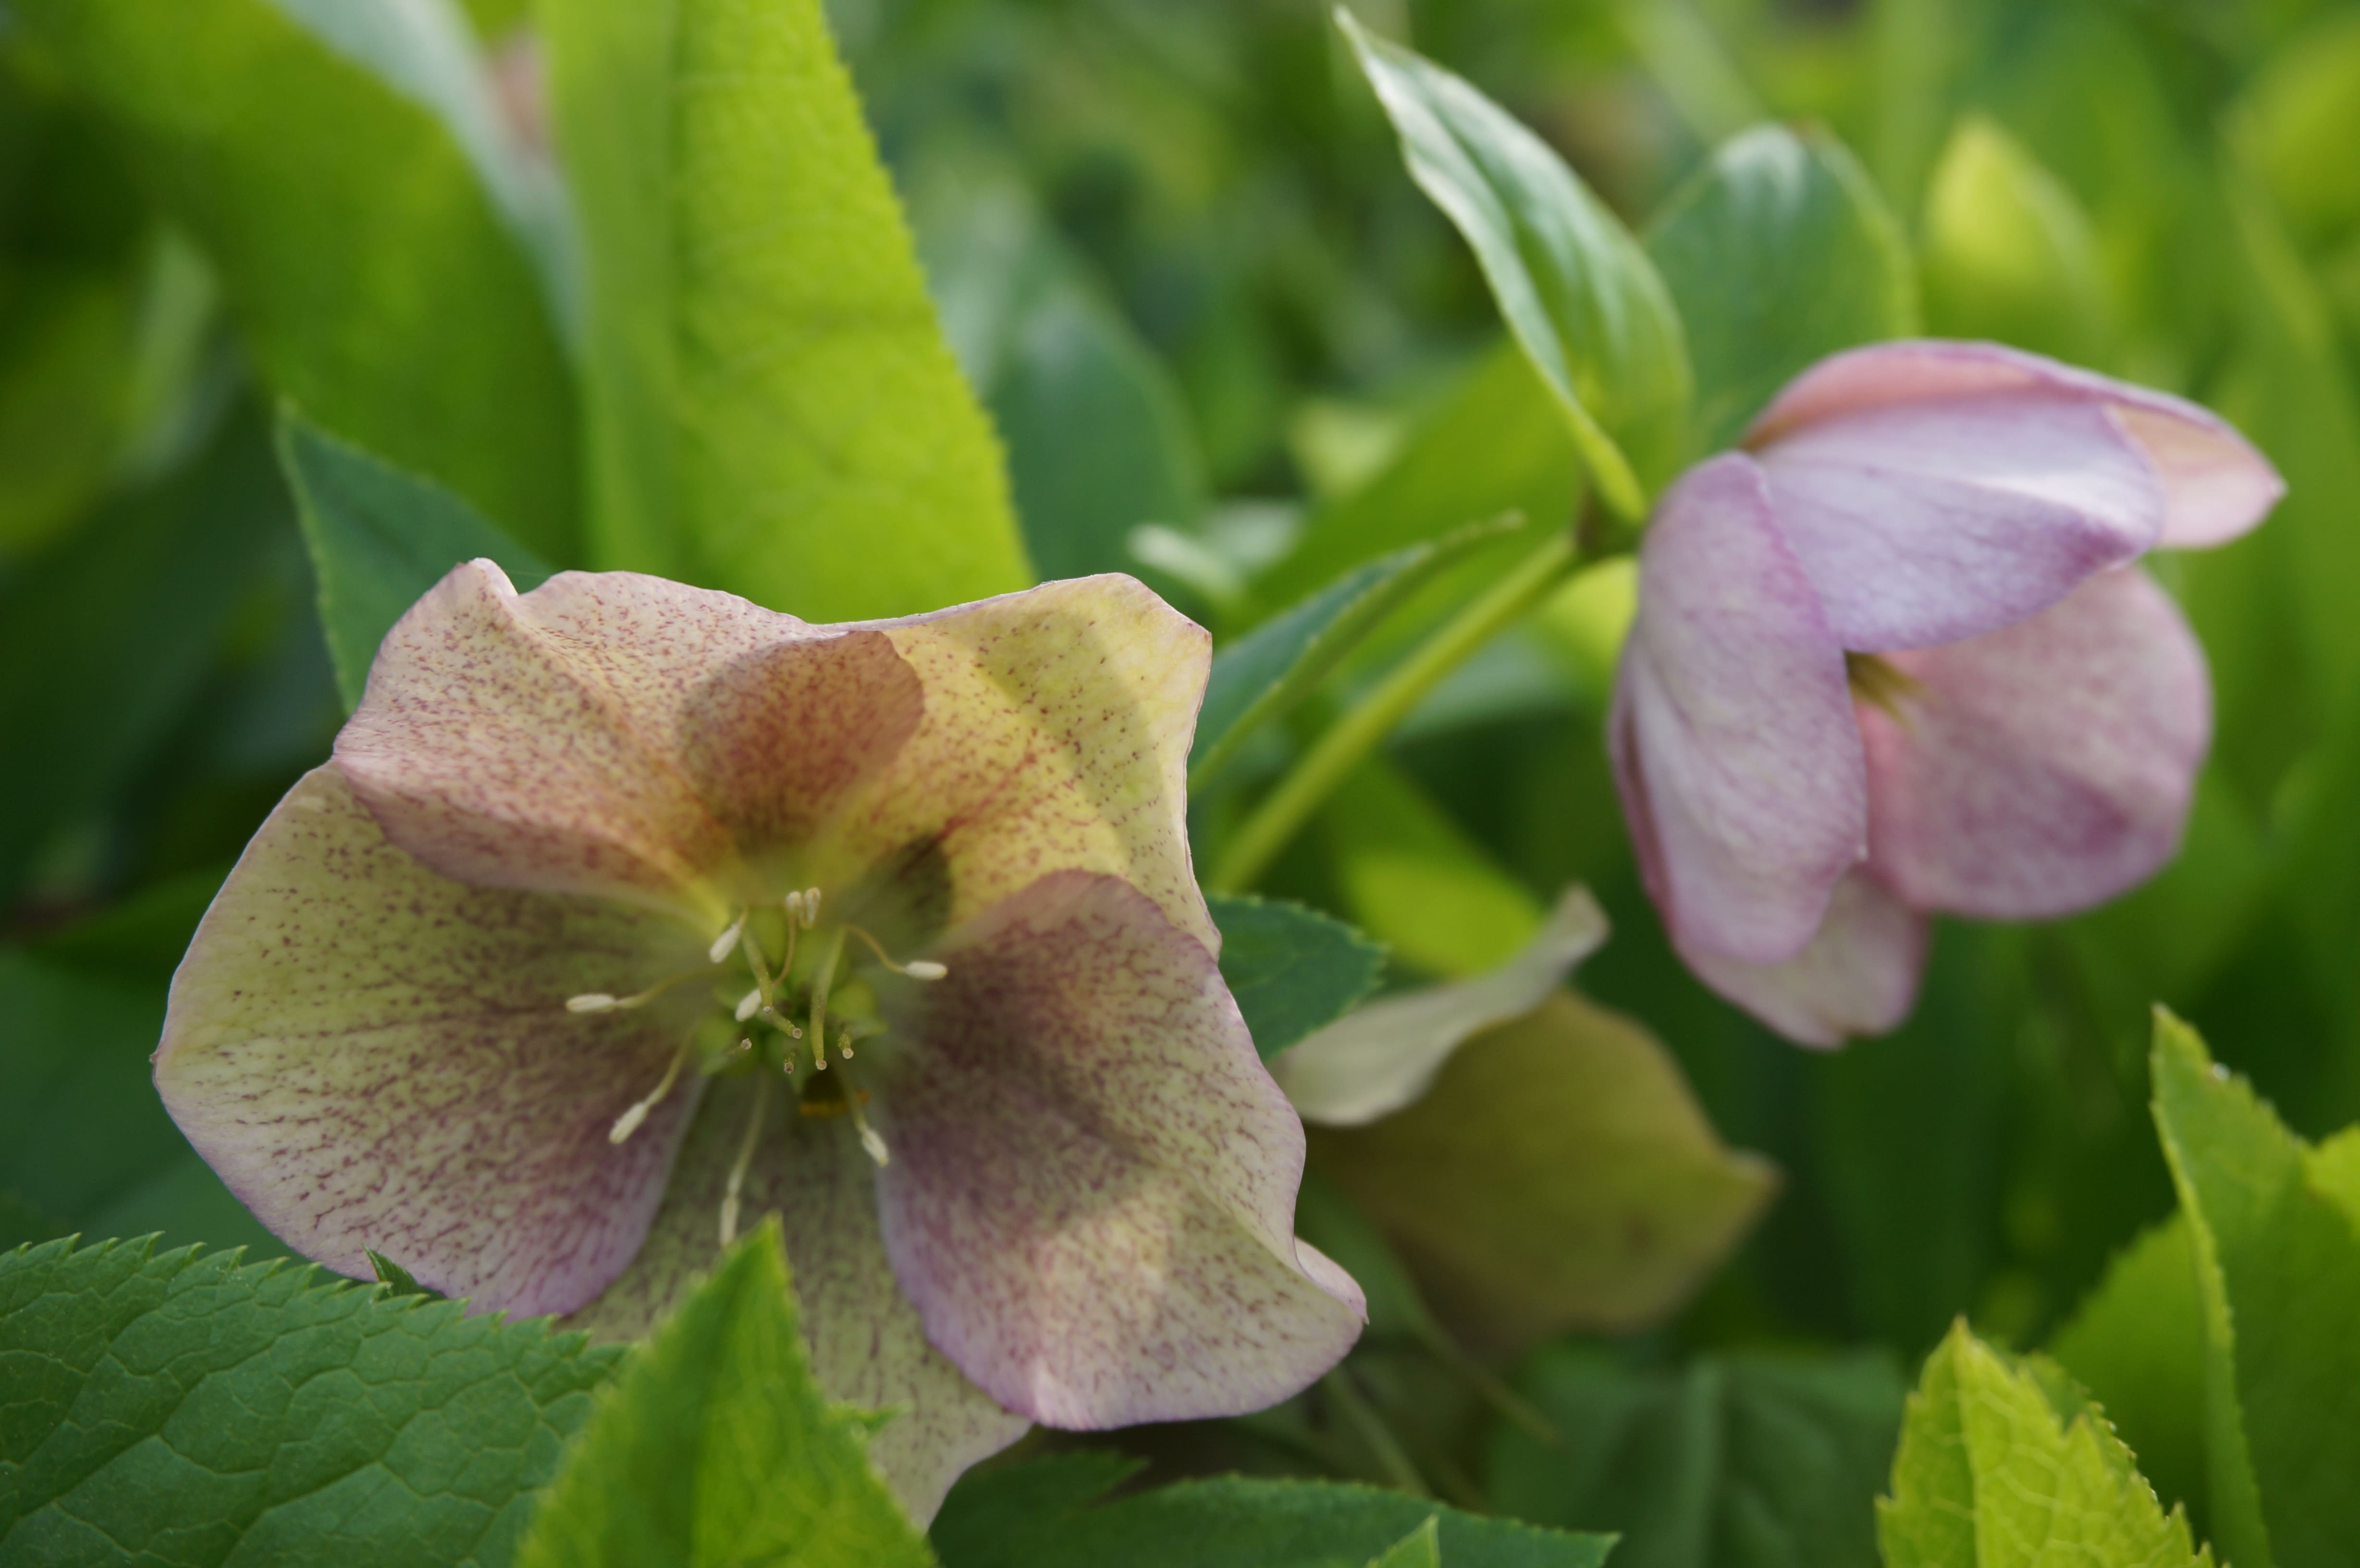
1572, 284
1291, 969
397, 1281
988, 1508
1779, 251
1236, 1523
104, 636
1265, 673
2003, 1465
1748, 1462
714, 1447
774, 410
1420, 1548
171, 1408
380, 538
375, 284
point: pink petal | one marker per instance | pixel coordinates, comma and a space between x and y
1091, 1192
1735, 749
375, 1057
1859, 976
2045, 767
2218, 486
613, 734
1923, 522
867, 1344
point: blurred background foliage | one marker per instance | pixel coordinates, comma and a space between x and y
1228, 346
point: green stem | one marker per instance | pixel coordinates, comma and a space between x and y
1285, 809
1371, 1427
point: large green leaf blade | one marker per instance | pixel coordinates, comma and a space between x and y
379, 538
772, 408
1575, 287
2002, 1467
1779, 251
714, 1447
2276, 1228
1747, 1462
1040, 1516
185, 1408
376, 283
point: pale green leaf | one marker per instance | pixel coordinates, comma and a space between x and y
1993, 1474
714, 1447
773, 409
1574, 287
1413, 880
379, 538
2299, 120
178, 1409
375, 284
1779, 251
1420, 1548
2009, 254
1291, 969
1558, 1174
1748, 1462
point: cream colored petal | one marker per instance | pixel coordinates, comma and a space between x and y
867, 1345
1055, 737
376, 1058
1373, 1062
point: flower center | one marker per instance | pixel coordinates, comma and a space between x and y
1882, 684
769, 1015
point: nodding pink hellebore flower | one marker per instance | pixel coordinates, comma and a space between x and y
1892, 656
629, 913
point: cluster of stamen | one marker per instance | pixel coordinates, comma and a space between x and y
769, 1003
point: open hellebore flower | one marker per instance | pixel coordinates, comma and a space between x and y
629, 913
1892, 658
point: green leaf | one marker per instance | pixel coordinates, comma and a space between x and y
1494, 444
1420, 1548
2136, 1343
1993, 1474
168, 1406
2275, 1230
2009, 253
773, 409
1413, 880
1748, 1462
1779, 251
1574, 287
2299, 122
1558, 1174
397, 1281
713, 1446
1264, 674
1041, 1522
1098, 441
379, 538
1291, 969
375, 284
105, 635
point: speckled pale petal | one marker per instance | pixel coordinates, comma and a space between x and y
1092, 1191
1734, 745
1379, 1058
1859, 976
1055, 737
615, 733
375, 1057
2218, 487
868, 1346
2046, 767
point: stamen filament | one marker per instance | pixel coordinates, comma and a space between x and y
607, 1002
628, 1122
745, 1158
916, 969
823, 976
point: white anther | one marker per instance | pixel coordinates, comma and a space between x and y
748, 1004
924, 969
592, 1002
628, 1122
794, 902
726, 941
875, 1145
810, 906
